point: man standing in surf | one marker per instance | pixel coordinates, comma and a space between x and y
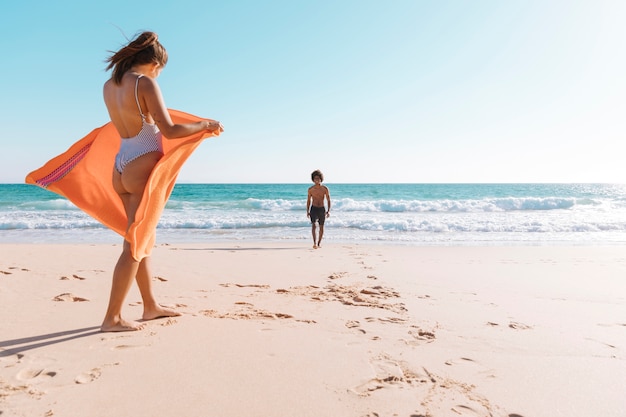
315, 209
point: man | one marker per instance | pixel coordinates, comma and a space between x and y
315, 206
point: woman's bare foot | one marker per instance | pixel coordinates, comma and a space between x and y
159, 311
121, 325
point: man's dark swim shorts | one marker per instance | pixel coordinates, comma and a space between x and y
318, 214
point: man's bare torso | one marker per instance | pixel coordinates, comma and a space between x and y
317, 193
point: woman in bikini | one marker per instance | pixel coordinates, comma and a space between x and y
137, 110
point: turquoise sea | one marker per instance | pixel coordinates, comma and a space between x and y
416, 214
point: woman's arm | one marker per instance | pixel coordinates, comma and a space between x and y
150, 93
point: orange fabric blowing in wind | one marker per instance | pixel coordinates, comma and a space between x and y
83, 174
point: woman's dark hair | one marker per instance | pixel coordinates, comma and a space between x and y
317, 173
144, 49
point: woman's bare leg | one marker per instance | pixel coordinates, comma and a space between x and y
151, 309
130, 186
123, 275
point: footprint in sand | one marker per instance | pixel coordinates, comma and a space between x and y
468, 362
7, 390
462, 361
519, 326
69, 297
419, 336
65, 278
393, 320
247, 311
354, 324
448, 394
365, 297
389, 373
89, 376
126, 347
8, 360
245, 285
439, 395
15, 267
464, 410
373, 297
37, 370
33, 375
169, 322
93, 374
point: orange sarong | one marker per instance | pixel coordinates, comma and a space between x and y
83, 175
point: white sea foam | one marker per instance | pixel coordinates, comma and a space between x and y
400, 206
583, 214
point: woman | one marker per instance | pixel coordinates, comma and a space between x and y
137, 110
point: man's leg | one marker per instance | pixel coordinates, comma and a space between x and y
313, 234
319, 240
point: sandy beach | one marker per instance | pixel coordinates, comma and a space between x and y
282, 330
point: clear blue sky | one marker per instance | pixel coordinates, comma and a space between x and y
366, 91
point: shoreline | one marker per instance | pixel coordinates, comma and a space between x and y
280, 329
183, 237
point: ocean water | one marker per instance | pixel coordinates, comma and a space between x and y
414, 214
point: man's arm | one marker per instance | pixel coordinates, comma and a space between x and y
328, 200
308, 203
